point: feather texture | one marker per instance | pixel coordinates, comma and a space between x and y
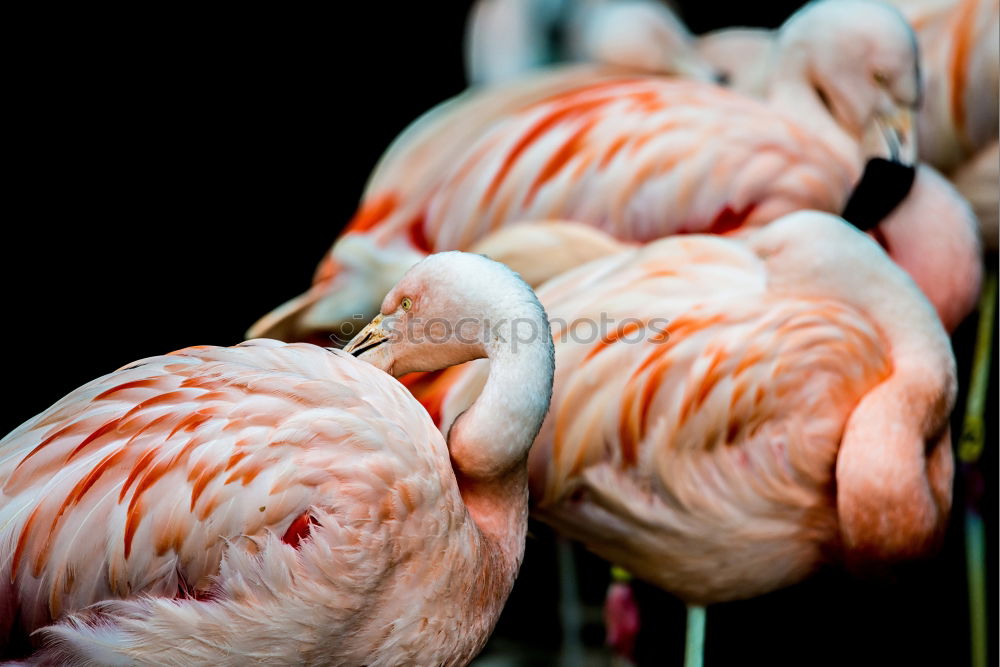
169, 484
712, 438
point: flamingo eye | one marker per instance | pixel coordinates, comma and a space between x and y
406, 303
881, 78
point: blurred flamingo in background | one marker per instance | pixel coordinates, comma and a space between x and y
958, 133
279, 503
933, 209
506, 39
639, 157
960, 66
714, 442
958, 121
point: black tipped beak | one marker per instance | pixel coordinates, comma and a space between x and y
364, 339
358, 351
368, 338
883, 185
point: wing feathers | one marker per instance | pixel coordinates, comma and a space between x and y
139, 481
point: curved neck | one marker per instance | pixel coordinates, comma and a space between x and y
489, 443
791, 92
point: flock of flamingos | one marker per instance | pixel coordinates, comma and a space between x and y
619, 295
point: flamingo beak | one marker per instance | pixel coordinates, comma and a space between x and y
369, 344
897, 130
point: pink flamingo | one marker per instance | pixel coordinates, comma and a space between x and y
713, 440
958, 121
506, 39
960, 68
273, 502
960, 65
638, 157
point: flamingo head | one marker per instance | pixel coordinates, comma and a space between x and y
454, 307
643, 36
860, 59
450, 308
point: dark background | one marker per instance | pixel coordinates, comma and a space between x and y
176, 173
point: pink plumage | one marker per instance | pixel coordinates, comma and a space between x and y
144, 480
756, 409
272, 502
639, 158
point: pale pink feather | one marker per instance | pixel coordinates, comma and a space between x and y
738, 424
170, 483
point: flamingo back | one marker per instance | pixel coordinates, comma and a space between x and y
703, 424
639, 158
702, 400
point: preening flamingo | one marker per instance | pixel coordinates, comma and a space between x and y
960, 67
281, 503
639, 157
506, 37
713, 440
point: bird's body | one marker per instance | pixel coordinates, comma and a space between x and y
144, 480
748, 413
960, 68
637, 157
276, 503
640, 158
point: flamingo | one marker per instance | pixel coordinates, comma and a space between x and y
281, 503
639, 157
712, 440
740, 55
957, 126
961, 70
507, 38
960, 66
933, 209
538, 251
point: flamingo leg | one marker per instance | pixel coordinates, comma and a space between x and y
969, 450
570, 613
973, 432
975, 556
694, 645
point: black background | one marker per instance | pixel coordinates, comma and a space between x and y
176, 173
